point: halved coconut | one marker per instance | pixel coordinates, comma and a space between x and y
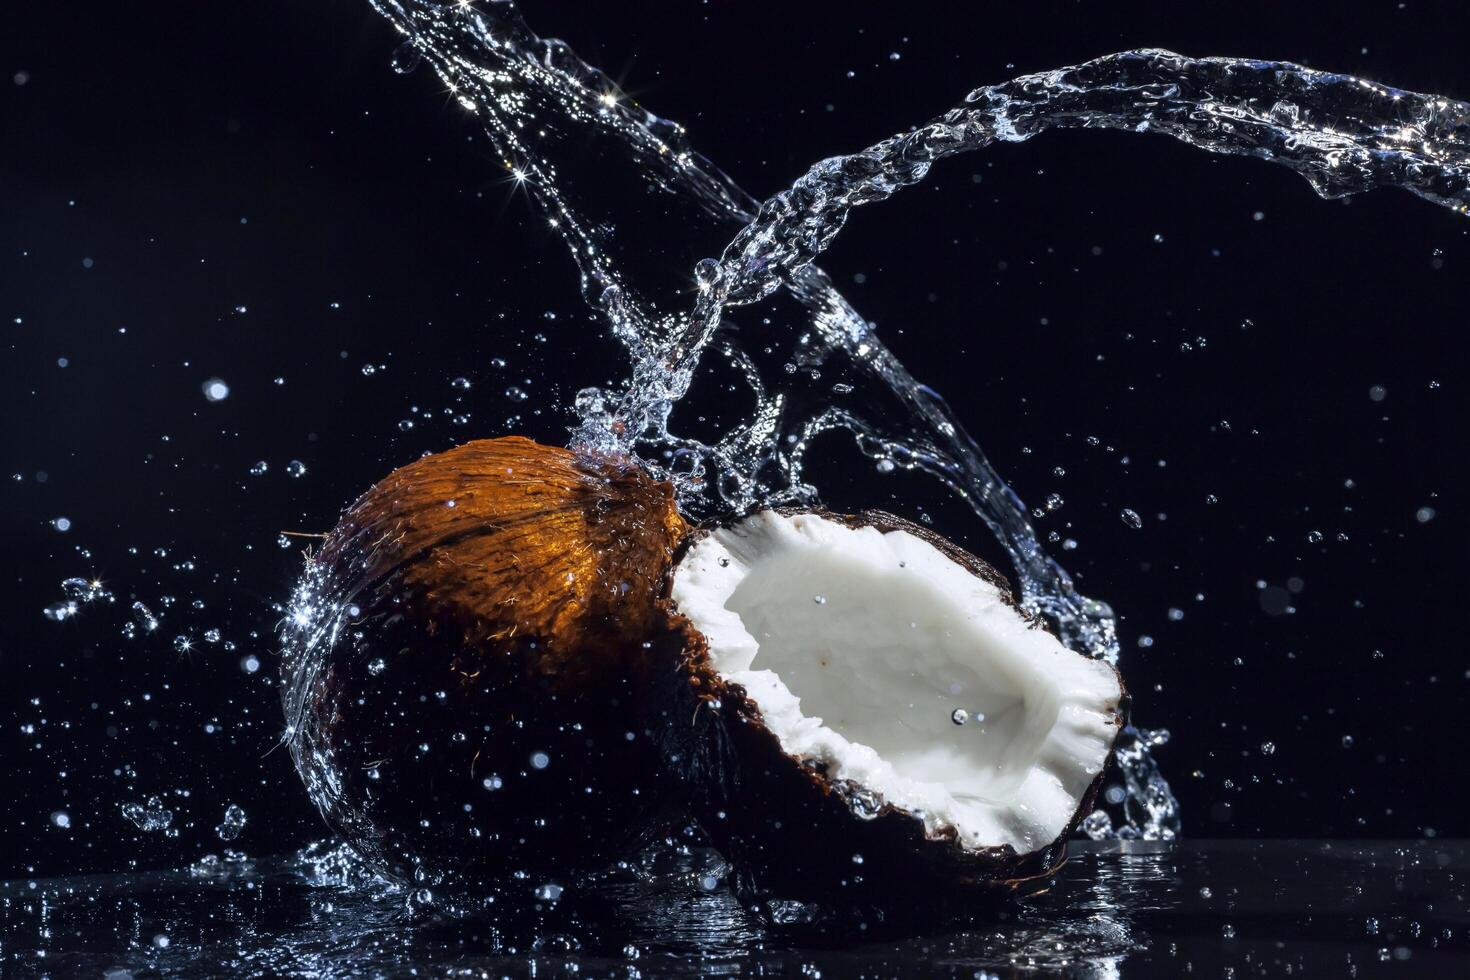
871, 706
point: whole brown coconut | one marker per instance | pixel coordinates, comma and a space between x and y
458, 679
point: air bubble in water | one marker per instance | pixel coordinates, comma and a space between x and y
959, 716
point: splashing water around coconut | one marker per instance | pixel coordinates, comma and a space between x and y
1343, 134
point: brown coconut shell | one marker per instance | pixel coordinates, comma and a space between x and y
793, 832
477, 714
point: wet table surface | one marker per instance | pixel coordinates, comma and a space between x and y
1198, 908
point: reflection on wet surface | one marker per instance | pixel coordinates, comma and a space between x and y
1201, 908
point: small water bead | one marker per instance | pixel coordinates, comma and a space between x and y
368, 370
540, 760
820, 600
60, 611
376, 666
62, 524
1347, 741
259, 468
1314, 537
1097, 825
1131, 518
234, 821
1268, 748
959, 716
149, 816
1205, 892
516, 394
492, 782
885, 466
144, 617
463, 384
1054, 501
406, 57
1425, 514
61, 819
296, 469
706, 273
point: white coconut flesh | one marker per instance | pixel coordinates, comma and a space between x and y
861, 646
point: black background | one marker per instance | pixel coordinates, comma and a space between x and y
209, 157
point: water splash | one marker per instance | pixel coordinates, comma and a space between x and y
1343, 134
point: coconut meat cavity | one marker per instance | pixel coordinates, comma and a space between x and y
897, 668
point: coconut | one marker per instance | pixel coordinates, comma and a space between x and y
867, 707
532, 655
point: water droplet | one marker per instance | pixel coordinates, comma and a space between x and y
820, 600
516, 393
406, 57
150, 816
233, 822
296, 469
259, 468
1131, 518
145, 617
959, 716
540, 760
